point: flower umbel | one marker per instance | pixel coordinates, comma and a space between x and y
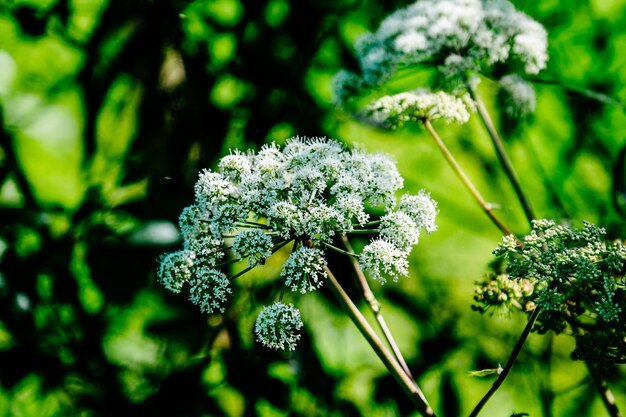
460, 37
308, 193
575, 277
304, 270
455, 41
417, 105
382, 259
277, 326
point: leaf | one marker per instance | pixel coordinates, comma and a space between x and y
486, 372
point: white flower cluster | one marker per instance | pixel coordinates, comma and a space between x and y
383, 259
421, 209
304, 270
277, 326
518, 96
208, 289
307, 193
176, 268
417, 105
458, 32
254, 244
460, 37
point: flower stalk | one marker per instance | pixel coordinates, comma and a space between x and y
503, 157
509, 363
376, 308
465, 179
603, 389
410, 387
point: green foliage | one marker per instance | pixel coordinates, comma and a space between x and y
108, 109
575, 278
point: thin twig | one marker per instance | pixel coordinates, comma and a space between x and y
409, 386
503, 157
375, 307
509, 364
339, 250
464, 178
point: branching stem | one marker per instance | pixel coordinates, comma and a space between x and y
503, 157
376, 308
351, 255
411, 389
464, 178
363, 231
509, 364
600, 383
605, 392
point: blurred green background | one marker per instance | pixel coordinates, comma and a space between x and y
110, 109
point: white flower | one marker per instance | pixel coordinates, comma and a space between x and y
382, 259
235, 166
321, 222
192, 223
352, 206
277, 326
411, 42
253, 243
346, 84
417, 105
518, 94
421, 208
381, 179
304, 270
175, 269
284, 217
212, 189
207, 249
461, 37
529, 46
306, 193
400, 230
209, 290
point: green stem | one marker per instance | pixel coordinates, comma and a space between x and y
362, 231
243, 271
600, 383
509, 364
409, 386
279, 245
372, 223
502, 155
341, 251
252, 224
235, 260
464, 178
545, 387
282, 288
605, 392
376, 308
229, 262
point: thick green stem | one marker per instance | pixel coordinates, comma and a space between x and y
600, 383
509, 364
376, 308
605, 392
503, 156
409, 386
464, 178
